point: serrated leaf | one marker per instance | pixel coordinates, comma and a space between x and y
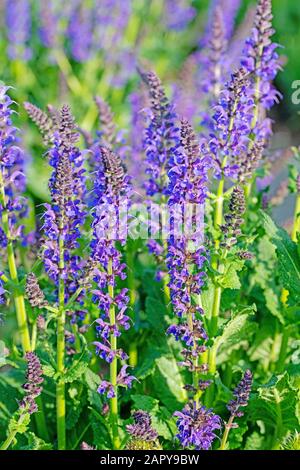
254, 442
230, 279
287, 256
236, 436
145, 403
276, 405
233, 329
36, 443
18, 424
77, 369
48, 370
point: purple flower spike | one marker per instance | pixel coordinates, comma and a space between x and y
112, 190
196, 427
241, 394
161, 136
33, 385
12, 173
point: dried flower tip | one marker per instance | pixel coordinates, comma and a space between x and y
45, 123
188, 139
33, 385
41, 323
156, 91
63, 183
233, 218
106, 118
33, 291
67, 129
114, 169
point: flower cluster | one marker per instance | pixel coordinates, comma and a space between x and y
12, 179
44, 122
64, 217
33, 385
161, 136
241, 394
186, 257
143, 436
260, 56
232, 124
197, 426
112, 191
33, 291
234, 218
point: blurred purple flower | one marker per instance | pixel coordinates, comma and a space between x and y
18, 23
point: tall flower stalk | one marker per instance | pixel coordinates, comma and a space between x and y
12, 205
241, 396
112, 194
62, 221
186, 255
242, 109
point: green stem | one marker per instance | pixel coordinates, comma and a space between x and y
195, 374
33, 336
133, 352
18, 297
226, 433
113, 367
60, 387
12, 435
40, 420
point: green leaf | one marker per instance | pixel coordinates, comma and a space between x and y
254, 442
230, 279
145, 403
18, 424
287, 256
156, 312
234, 329
78, 368
236, 436
48, 370
92, 381
36, 443
276, 405
169, 383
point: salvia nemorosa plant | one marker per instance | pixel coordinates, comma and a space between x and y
146, 293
